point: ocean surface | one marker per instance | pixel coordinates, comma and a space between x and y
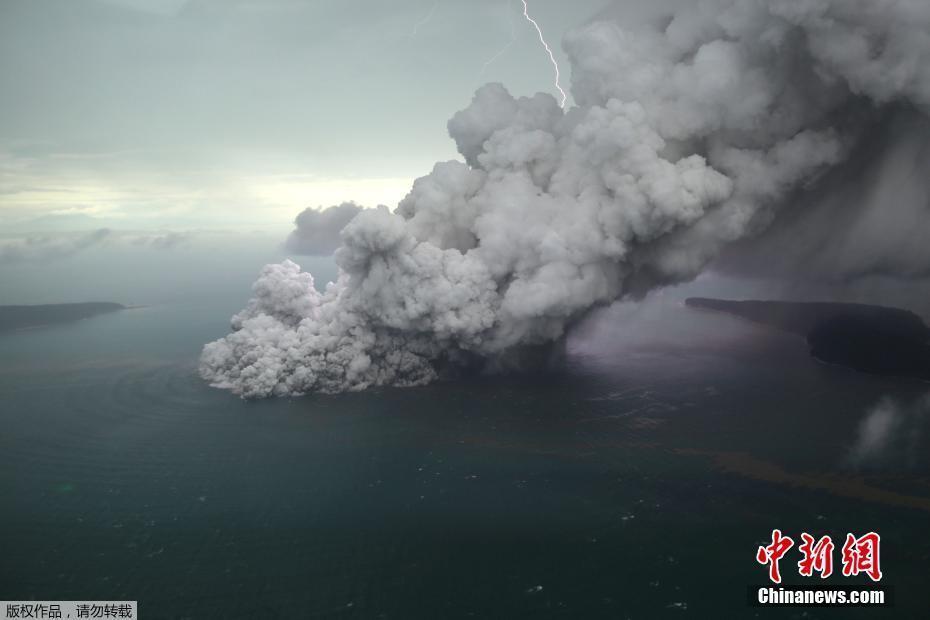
635, 479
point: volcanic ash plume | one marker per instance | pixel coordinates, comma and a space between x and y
685, 137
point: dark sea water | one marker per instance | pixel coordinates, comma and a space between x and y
634, 480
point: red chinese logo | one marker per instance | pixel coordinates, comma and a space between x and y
860, 555
817, 556
773, 553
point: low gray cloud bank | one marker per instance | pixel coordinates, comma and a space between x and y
686, 137
162, 241
48, 248
61, 245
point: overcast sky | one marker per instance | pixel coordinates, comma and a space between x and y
232, 113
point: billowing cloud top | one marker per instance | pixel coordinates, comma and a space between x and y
684, 139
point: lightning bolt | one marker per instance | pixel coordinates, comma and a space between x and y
425, 20
503, 50
542, 39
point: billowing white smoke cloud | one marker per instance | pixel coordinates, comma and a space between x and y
317, 231
684, 138
890, 431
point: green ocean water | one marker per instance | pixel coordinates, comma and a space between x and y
635, 479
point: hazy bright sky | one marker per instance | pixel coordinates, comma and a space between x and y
177, 114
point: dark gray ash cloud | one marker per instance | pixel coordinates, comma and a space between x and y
317, 231
687, 136
868, 218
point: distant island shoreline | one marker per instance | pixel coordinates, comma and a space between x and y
19, 318
873, 339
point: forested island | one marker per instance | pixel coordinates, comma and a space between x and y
25, 317
874, 339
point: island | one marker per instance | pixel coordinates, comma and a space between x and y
14, 318
873, 339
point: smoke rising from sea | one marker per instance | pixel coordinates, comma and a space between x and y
686, 137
